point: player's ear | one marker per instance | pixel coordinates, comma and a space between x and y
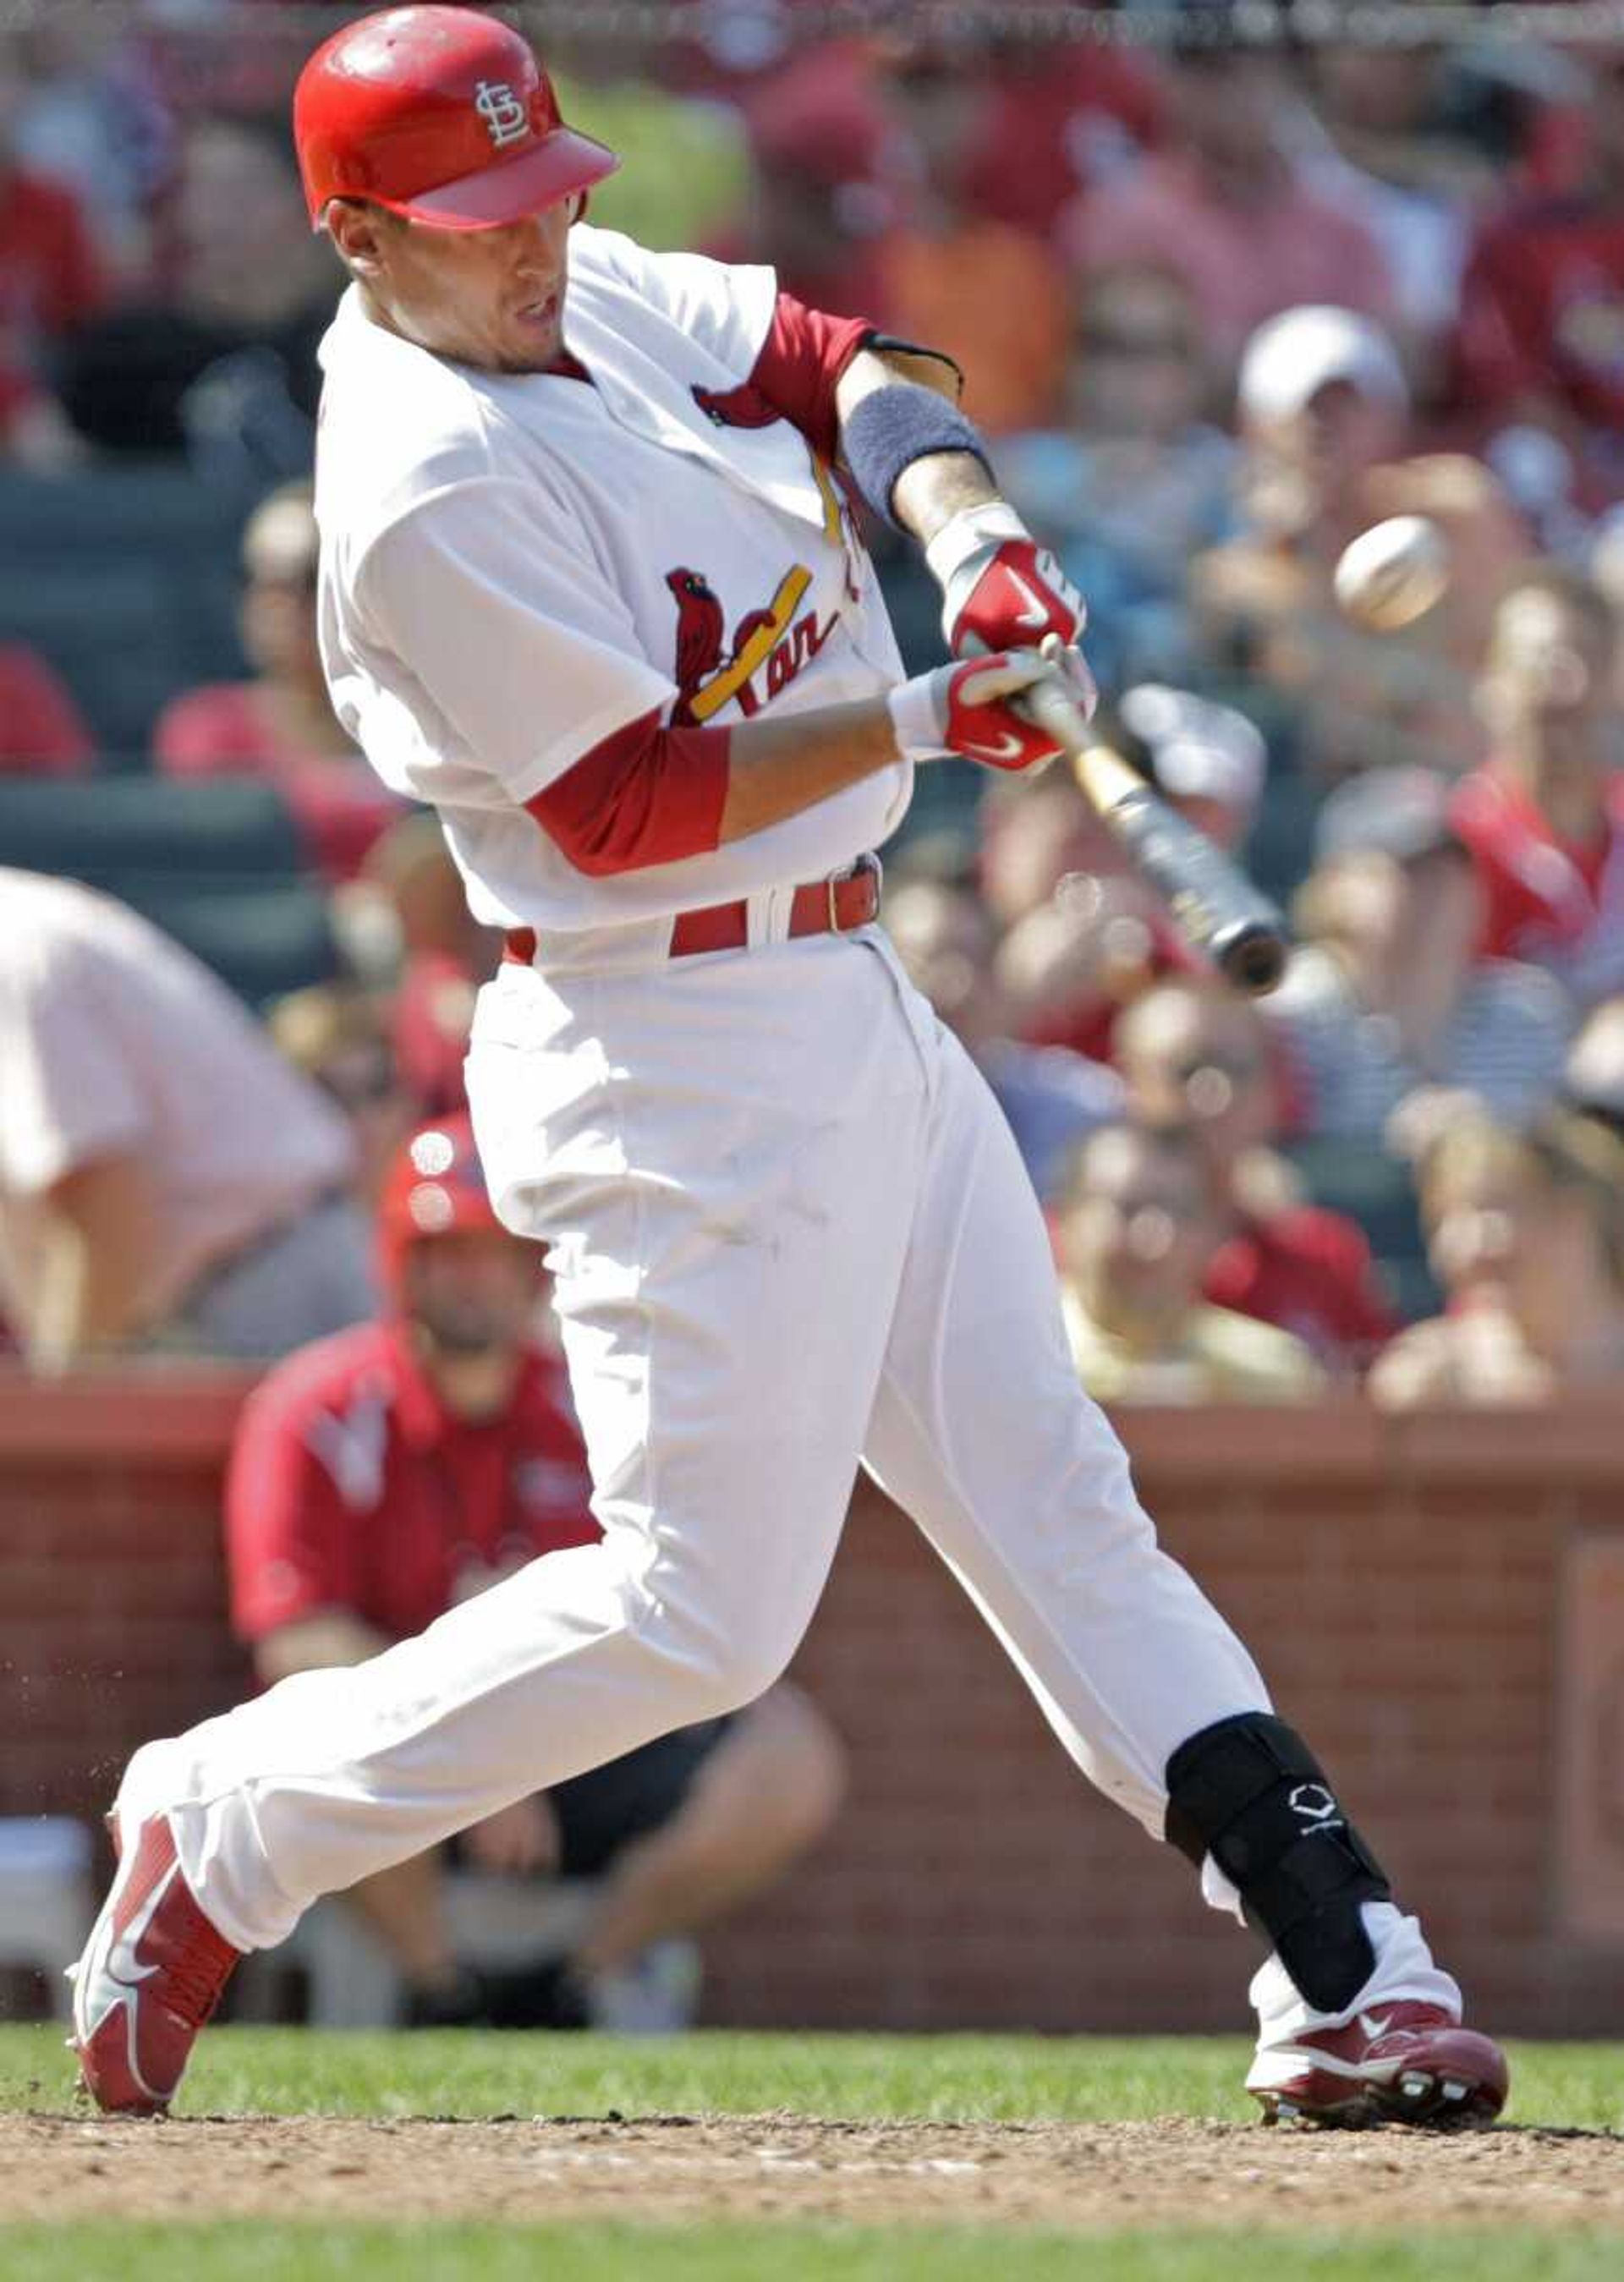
357, 228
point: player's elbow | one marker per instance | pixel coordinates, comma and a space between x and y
646, 795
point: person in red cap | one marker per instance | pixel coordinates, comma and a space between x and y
385, 1476
590, 584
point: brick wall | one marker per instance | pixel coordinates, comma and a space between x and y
1403, 1586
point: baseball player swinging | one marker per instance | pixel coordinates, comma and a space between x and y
589, 587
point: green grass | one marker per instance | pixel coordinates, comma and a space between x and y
974, 2078
1074, 2079
759, 2253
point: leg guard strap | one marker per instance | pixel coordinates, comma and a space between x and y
1249, 1792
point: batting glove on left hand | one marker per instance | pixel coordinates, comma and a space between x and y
973, 709
1000, 590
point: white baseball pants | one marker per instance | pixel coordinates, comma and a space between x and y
789, 1231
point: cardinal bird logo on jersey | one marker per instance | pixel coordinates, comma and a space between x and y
709, 670
701, 630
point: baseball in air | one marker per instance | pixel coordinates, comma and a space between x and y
1392, 573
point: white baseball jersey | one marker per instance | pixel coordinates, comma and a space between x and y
514, 566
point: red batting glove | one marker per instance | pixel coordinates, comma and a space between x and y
972, 710
1000, 590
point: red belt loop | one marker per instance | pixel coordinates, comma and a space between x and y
831, 906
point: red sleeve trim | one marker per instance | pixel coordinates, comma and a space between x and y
801, 360
644, 795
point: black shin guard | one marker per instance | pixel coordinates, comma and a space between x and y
1250, 1793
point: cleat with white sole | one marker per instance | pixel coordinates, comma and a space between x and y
1399, 2063
152, 1974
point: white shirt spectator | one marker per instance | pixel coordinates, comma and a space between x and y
1505, 1041
114, 1042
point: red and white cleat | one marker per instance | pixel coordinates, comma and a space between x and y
151, 1976
1402, 2063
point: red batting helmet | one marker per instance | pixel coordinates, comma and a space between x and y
437, 1184
443, 114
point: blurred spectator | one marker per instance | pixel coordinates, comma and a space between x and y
221, 359
1052, 1096
336, 1034
1325, 413
1207, 760
281, 725
1387, 1000
820, 199
1135, 1236
1194, 1055
1132, 482
91, 115
1526, 1234
1541, 339
1593, 1077
41, 731
1222, 207
384, 1477
993, 296
1056, 117
1544, 817
51, 284
437, 953
1381, 136
165, 1179
1085, 932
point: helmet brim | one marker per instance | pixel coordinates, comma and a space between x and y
561, 163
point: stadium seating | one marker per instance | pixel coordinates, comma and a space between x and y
218, 865
126, 580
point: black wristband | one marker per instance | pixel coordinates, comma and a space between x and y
893, 426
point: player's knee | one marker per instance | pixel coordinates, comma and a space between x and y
744, 1670
802, 1760
720, 1659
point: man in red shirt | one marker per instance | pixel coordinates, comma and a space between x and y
1541, 333
1544, 816
1194, 1055
382, 1477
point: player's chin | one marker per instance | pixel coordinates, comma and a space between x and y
533, 338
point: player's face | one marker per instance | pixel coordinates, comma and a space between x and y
472, 1290
489, 298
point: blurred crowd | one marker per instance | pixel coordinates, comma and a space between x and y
1222, 308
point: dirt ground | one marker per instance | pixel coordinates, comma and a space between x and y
515, 2168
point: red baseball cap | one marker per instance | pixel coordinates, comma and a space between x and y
435, 1187
442, 115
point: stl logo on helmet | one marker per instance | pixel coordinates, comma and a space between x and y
505, 117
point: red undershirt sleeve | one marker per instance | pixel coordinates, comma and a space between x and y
643, 796
799, 363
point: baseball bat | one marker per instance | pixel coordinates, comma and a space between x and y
1212, 902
